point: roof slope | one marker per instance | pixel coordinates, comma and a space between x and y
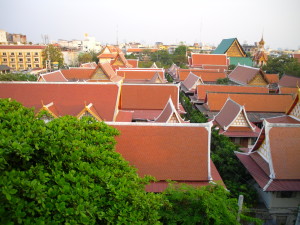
140, 74
209, 59
55, 76
253, 102
272, 78
240, 61
167, 113
204, 88
209, 75
178, 152
148, 97
224, 46
191, 81
80, 73
244, 74
68, 98
289, 81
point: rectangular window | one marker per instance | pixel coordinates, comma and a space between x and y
4, 53
28, 60
29, 65
12, 60
13, 65
28, 54
36, 54
21, 65
20, 60
36, 59
20, 53
286, 194
12, 53
4, 60
37, 65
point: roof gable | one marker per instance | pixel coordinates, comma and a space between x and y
246, 74
55, 76
169, 114
79, 73
89, 110
192, 81
223, 46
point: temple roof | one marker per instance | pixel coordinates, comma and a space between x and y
140, 74
133, 62
55, 76
79, 73
204, 88
92, 65
244, 74
207, 75
209, 59
289, 81
225, 45
253, 102
278, 168
240, 61
162, 151
190, 81
272, 78
168, 112
68, 98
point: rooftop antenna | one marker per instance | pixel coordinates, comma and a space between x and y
117, 35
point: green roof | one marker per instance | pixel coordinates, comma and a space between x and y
241, 60
223, 46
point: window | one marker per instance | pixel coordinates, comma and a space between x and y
286, 194
20, 60
281, 220
28, 60
13, 65
29, 65
4, 60
36, 59
12, 60
21, 66
4, 53
28, 54
37, 65
20, 53
12, 53
36, 54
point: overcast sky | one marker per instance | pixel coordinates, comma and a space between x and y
207, 21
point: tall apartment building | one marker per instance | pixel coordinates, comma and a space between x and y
22, 57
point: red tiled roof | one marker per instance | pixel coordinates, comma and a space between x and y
133, 62
78, 74
141, 49
220, 68
209, 59
111, 56
284, 144
204, 88
183, 73
252, 102
289, 81
166, 151
107, 69
139, 74
55, 76
297, 56
191, 81
244, 74
283, 119
23, 46
149, 114
272, 78
288, 90
148, 97
68, 98
89, 65
167, 112
124, 116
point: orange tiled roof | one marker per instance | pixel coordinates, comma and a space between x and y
148, 96
252, 102
78, 73
177, 152
204, 88
133, 62
167, 112
55, 76
68, 98
289, 81
272, 78
209, 75
209, 59
244, 74
288, 90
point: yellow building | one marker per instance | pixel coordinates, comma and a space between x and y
22, 57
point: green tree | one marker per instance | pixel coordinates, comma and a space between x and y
17, 77
223, 81
200, 205
55, 55
85, 57
67, 172
163, 57
282, 64
180, 56
131, 56
233, 173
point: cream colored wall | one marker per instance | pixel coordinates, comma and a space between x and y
14, 61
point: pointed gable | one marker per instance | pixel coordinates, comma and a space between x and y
154, 65
231, 47
294, 109
169, 114
56, 76
89, 111
248, 75
191, 82
156, 79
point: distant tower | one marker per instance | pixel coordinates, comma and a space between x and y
261, 44
260, 58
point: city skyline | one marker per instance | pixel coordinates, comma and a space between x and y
169, 22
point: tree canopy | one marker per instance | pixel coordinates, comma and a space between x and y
87, 57
283, 65
66, 172
55, 55
17, 77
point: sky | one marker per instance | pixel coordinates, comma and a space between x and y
167, 21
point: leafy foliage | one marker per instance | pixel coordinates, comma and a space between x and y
192, 114
17, 77
67, 172
55, 55
87, 57
230, 168
282, 65
223, 81
131, 56
200, 205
